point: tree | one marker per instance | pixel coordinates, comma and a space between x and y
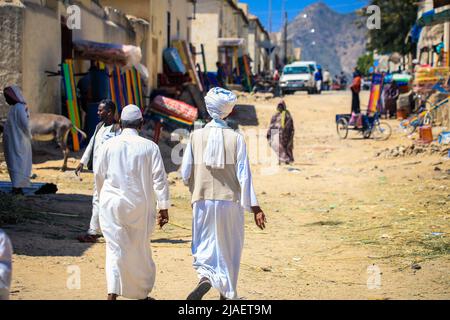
397, 19
365, 62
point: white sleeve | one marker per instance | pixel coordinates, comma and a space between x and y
244, 175
87, 153
5, 261
186, 166
160, 185
100, 168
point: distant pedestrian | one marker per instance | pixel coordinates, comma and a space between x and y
326, 80
356, 89
17, 140
221, 77
318, 76
391, 94
281, 134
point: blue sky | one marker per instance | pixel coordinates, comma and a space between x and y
260, 8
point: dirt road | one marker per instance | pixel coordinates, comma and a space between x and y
343, 223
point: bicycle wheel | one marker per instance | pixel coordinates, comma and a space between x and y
382, 131
342, 128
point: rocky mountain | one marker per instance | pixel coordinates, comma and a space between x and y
332, 39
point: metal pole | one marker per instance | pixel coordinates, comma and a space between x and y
285, 35
270, 16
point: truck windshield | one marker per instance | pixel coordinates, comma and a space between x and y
296, 70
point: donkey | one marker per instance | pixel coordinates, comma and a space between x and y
49, 127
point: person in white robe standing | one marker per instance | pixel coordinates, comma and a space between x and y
131, 182
105, 130
17, 140
5, 265
216, 168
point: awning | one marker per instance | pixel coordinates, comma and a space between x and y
231, 42
434, 17
108, 53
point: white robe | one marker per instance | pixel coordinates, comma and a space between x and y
5, 265
103, 134
17, 145
130, 178
218, 227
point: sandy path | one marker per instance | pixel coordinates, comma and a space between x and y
341, 211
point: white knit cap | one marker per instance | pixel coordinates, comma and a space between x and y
131, 113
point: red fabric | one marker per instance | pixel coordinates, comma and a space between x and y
356, 85
175, 108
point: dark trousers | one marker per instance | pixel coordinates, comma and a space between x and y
356, 106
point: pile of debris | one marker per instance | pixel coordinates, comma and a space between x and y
412, 150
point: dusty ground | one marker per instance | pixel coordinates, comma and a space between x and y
336, 212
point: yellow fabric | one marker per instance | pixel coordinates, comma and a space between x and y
283, 119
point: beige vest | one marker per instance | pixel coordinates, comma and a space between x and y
206, 183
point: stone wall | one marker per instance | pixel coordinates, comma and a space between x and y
11, 26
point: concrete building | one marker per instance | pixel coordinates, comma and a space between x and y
35, 39
222, 28
258, 45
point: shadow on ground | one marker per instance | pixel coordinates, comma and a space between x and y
50, 224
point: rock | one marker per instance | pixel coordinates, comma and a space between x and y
267, 269
437, 169
416, 266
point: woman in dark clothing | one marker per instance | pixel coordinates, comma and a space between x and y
356, 89
281, 134
391, 95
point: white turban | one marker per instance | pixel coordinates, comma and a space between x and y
219, 103
131, 113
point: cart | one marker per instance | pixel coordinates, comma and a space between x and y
371, 127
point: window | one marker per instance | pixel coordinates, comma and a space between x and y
296, 70
178, 29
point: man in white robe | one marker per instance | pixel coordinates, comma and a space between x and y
5, 265
217, 170
131, 180
17, 140
105, 130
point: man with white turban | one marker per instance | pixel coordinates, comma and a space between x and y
130, 178
217, 170
17, 140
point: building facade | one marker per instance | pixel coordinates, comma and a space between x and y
36, 41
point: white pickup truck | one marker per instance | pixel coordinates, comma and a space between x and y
299, 76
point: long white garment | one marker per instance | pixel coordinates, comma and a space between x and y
17, 146
103, 134
218, 227
131, 181
5, 265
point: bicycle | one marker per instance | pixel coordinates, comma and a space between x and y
424, 116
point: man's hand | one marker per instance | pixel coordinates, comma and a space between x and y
260, 217
163, 217
79, 169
